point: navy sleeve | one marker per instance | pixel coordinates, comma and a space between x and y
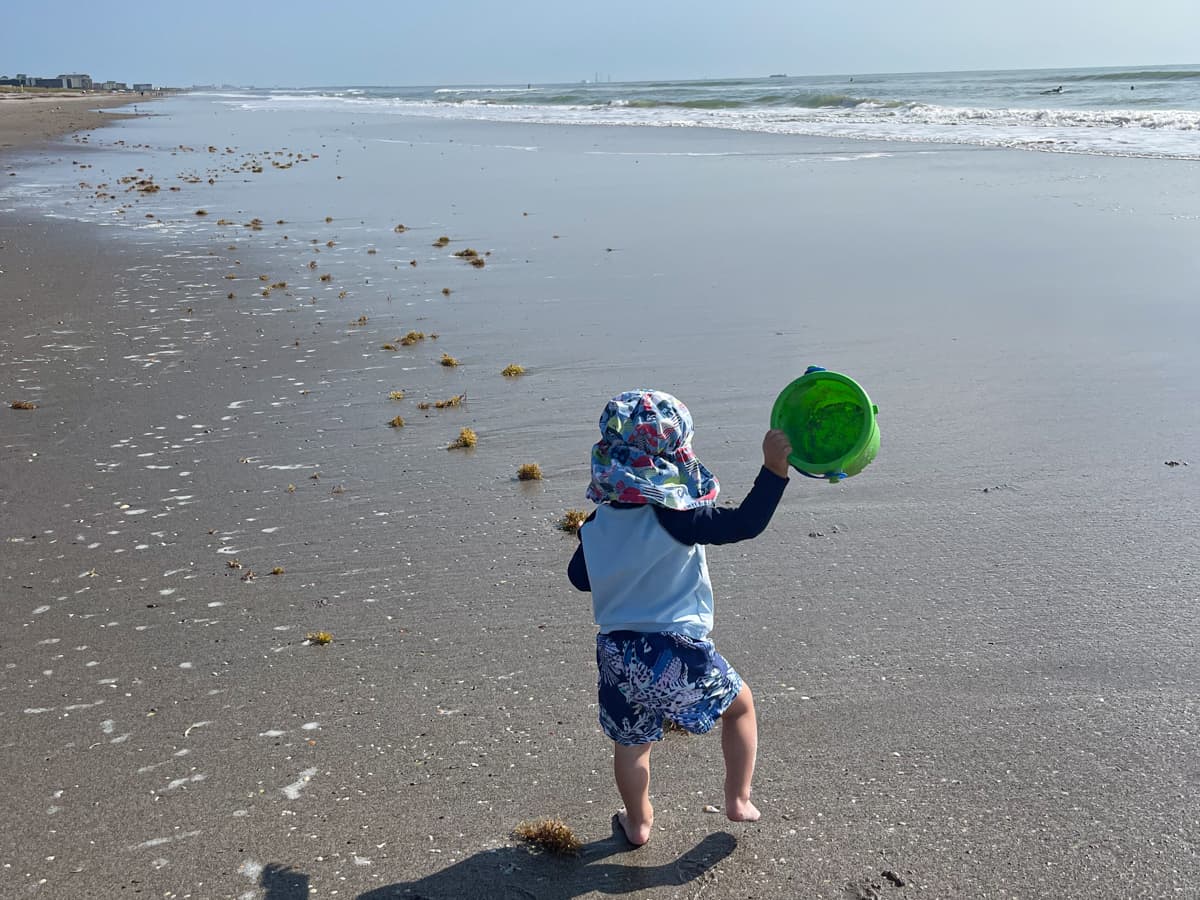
577, 571
727, 525
577, 567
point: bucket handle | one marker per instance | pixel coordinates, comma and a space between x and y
831, 477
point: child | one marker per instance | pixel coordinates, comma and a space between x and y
641, 554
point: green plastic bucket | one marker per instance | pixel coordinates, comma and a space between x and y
830, 422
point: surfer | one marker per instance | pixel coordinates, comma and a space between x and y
1057, 90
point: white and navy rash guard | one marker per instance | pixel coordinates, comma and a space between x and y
645, 565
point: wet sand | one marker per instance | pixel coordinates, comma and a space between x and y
974, 664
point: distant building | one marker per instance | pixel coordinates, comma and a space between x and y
77, 82
112, 86
47, 82
142, 88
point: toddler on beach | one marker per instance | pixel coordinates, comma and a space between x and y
641, 554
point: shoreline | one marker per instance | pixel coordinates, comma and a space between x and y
984, 621
30, 121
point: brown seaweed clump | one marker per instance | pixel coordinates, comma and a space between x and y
466, 253
400, 229
397, 422
327, 277
572, 520
320, 638
466, 438
411, 338
278, 570
449, 403
478, 262
396, 395
529, 472
445, 292
24, 404
511, 371
551, 835
202, 212
389, 347
448, 361
442, 241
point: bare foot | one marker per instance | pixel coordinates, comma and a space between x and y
636, 835
741, 811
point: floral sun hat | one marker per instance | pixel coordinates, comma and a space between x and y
644, 454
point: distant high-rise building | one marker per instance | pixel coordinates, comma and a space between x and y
77, 82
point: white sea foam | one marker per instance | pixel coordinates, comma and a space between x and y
292, 791
1115, 131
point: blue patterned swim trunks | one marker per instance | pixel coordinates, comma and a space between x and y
646, 677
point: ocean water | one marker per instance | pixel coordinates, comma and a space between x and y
1151, 111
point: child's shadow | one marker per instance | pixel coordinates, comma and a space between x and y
513, 873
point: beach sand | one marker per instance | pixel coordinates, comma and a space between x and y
974, 663
29, 119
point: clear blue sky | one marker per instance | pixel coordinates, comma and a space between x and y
397, 42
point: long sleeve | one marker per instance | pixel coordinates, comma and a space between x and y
577, 567
727, 525
577, 570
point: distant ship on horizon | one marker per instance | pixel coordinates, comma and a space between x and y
778, 76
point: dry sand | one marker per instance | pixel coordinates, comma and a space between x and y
27, 119
975, 663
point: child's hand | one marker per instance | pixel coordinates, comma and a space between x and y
776, 450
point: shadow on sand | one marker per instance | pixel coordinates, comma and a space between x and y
513, 873
283, 883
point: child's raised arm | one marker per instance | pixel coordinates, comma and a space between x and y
727, 525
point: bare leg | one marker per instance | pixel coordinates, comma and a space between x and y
631, 766
739, 743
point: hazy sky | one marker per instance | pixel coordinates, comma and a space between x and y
469, 41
